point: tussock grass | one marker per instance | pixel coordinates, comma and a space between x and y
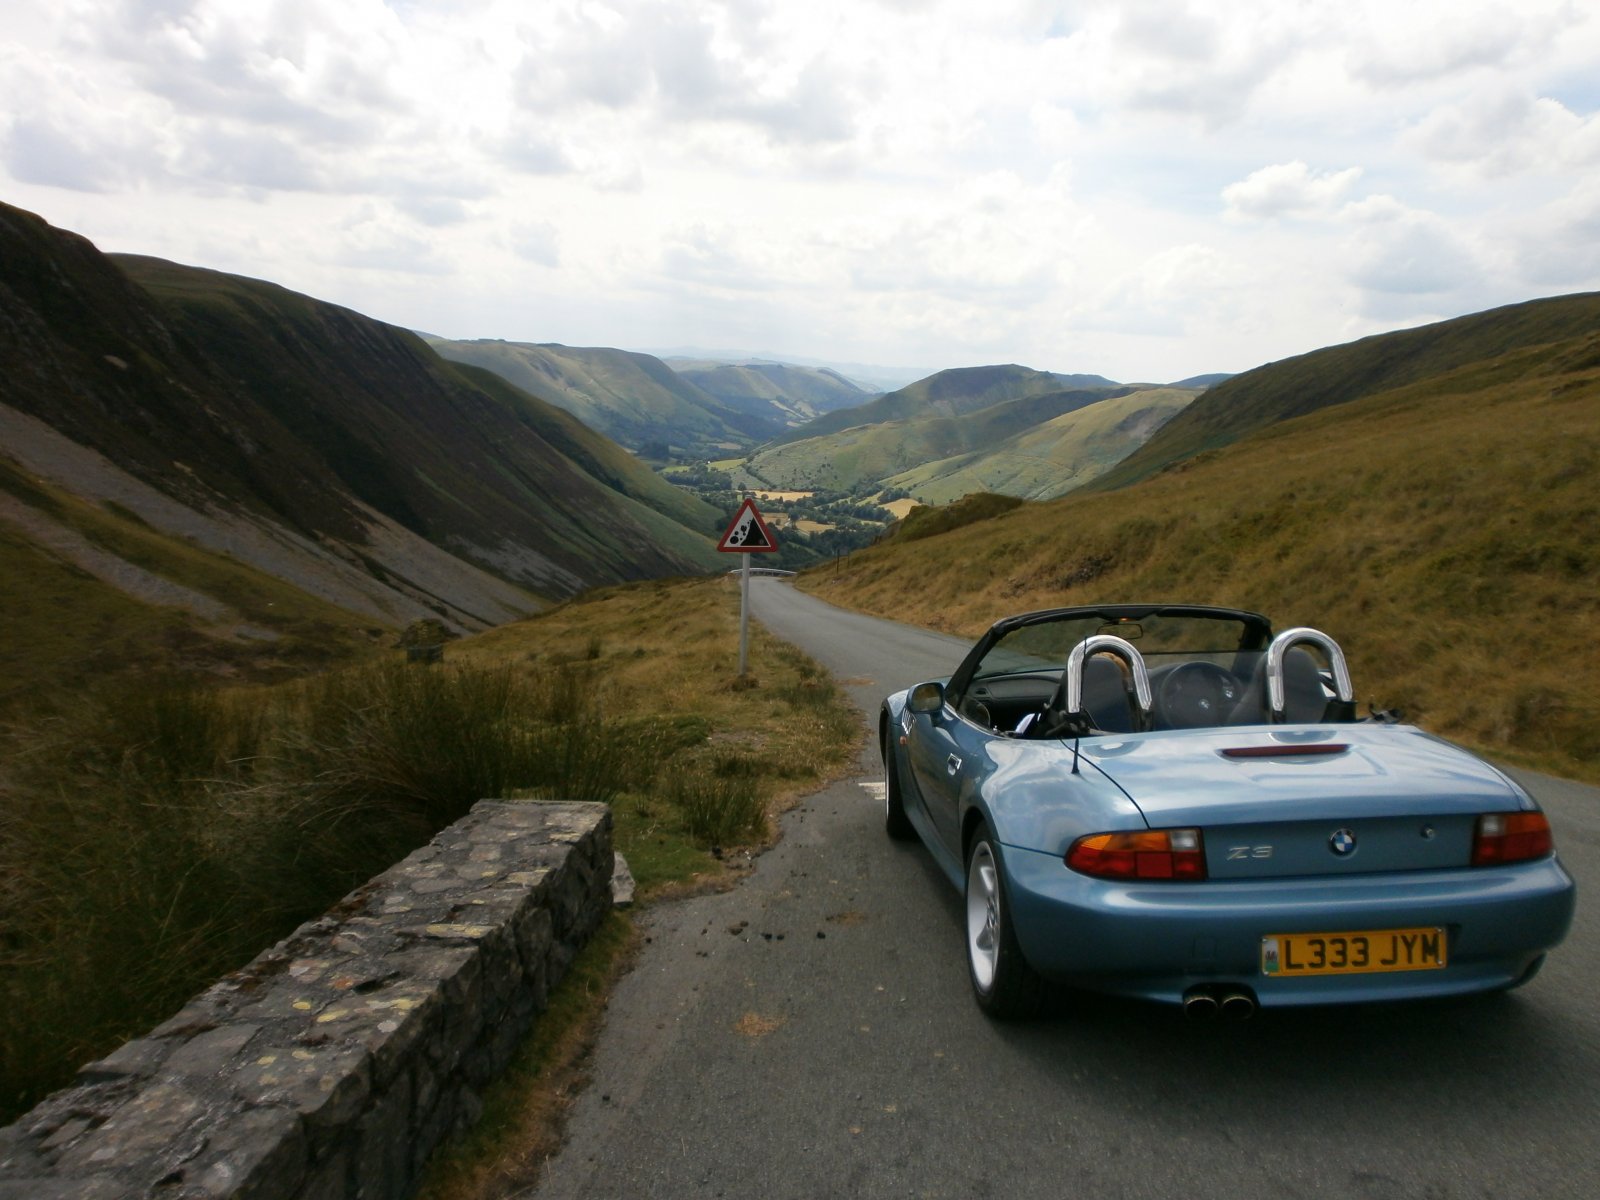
153, 838
1443, 533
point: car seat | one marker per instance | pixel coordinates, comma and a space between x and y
1305, 700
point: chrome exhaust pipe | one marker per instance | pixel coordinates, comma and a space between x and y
1200, 1005
1237, 1005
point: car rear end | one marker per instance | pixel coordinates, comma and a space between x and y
1290, 867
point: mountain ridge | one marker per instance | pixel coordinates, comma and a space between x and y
214, 425
1334, 375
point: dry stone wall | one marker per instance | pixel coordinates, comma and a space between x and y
329, 1067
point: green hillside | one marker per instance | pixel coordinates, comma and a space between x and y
1340, 374
634, 399
1052, 458
175, 605
781, 395
223, 454
862, 456
411, 435
1443, 532
950, 393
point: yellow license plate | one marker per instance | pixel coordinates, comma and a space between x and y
1358, 953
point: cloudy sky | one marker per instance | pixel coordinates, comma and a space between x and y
1146, 189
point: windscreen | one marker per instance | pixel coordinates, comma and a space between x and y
1159, 637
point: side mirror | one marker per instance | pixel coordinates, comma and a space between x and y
926, 698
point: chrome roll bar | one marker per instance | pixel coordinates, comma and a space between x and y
1303, 636
1109, 644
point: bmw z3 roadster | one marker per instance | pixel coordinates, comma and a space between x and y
1173, 802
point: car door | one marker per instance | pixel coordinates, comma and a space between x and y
940, 752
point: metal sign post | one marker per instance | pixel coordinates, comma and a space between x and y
746, 534
744, 616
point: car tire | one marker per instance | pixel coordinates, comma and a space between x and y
1003, 983
895, 822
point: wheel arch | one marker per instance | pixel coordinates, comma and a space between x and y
974, 817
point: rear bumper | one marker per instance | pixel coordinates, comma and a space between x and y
1158, 940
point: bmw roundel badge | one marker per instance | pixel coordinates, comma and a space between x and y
1342, 843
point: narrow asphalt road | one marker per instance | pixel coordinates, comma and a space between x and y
811, 1034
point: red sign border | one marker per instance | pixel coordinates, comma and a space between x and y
772, 543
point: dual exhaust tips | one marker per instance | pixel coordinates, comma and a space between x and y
1209, 1001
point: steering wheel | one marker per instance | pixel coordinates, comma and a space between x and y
1195, 695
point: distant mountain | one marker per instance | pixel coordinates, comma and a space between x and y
1293, 387
779, 394
869, 377
634, 399
1202, 381
951, 394
1005, 429
162, 419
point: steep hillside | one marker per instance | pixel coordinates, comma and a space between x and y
1052, 458
307, 442
778, 394
1431, 529
1340, 374
91, 590
949, 394
633, 399
914, 452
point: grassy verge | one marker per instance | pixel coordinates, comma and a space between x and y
520, 1127
746, 750
153, 838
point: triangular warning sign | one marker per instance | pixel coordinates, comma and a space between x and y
748, 532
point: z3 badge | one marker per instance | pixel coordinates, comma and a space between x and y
1238, 852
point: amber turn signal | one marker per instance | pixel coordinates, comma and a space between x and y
1165, 854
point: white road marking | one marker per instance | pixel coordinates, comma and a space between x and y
872, 787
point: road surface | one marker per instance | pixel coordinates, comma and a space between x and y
811, 1034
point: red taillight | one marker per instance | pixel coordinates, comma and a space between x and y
1511, 837
1176, 854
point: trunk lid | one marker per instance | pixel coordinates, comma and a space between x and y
1318, 800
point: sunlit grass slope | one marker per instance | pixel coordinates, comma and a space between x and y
1337, 375
1446, 533
1050, 459
853, 458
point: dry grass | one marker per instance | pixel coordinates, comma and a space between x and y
153, 838
666, 654
1444, 533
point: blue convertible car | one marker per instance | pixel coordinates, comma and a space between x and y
1172, 802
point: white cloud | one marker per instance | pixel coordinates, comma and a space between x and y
537, 242
39, 150
1504, 131
1397, 250
1560, 247
1288, 190
903, 180
371, 239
